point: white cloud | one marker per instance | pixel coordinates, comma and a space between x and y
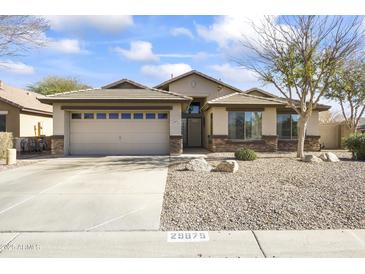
182, 31
16, 67
69, 46
138, 51
103, 23
166, 70
236, 74
229, 29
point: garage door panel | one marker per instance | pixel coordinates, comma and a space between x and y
112, 149
119, 137
119, 127
130, 138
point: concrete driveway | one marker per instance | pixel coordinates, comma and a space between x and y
84, 194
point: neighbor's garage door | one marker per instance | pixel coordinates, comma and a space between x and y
127, 133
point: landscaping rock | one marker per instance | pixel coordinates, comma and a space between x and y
323, 157
274, 192
227, 166
312, 159
329, 157
198, 165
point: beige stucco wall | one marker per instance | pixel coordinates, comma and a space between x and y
206, 129
313, 124
269, 126
58, 120
28, 121
220, 121
330, 135
202, 88
175, 120
12, 118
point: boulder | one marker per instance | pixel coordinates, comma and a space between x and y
323, 157
312, 159
198, 165
331, 157
227, 166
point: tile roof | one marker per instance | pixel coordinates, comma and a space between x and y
22, 99
162, 85
117, 94
245, 99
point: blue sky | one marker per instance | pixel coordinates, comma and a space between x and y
98, 50
101, 49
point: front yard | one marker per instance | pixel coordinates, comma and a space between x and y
275, 191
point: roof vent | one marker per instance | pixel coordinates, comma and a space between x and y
1, 84
172, 75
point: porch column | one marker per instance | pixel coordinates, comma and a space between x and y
176, 140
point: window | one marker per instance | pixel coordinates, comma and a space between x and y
150, 115
100, 115
287, 126
3, 123
88, 115
244, 125
194, 108
76, 115
138, 115
126, 116
162, 116
113, 115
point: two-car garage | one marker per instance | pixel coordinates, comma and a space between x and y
122, 118
119, 133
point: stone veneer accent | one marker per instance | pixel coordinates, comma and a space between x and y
221, 143
176, 145
57, 144
311, 143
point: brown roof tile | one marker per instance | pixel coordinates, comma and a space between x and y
22, 99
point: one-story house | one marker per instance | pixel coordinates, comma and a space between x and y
190, 110
22, 114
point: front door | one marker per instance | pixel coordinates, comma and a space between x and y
191, 130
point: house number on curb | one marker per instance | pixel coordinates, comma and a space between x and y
187, 236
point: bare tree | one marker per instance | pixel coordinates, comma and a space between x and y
299, 55
328, 116
348, 89
20, 33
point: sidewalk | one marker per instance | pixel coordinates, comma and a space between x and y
256, 244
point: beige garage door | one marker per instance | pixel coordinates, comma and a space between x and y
127, 133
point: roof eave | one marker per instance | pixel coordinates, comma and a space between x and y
111, 100
50, 113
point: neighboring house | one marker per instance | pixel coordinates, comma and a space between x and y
191, 110
333, 134
22, 114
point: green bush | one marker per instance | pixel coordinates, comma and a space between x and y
356, 144
6, 141
245, 154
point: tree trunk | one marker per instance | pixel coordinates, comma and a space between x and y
302, 126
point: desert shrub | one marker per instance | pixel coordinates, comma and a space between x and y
356, 144
245, 154
6, 141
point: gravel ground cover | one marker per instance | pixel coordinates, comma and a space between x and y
276, 191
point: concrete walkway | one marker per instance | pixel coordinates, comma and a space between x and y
257, 244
